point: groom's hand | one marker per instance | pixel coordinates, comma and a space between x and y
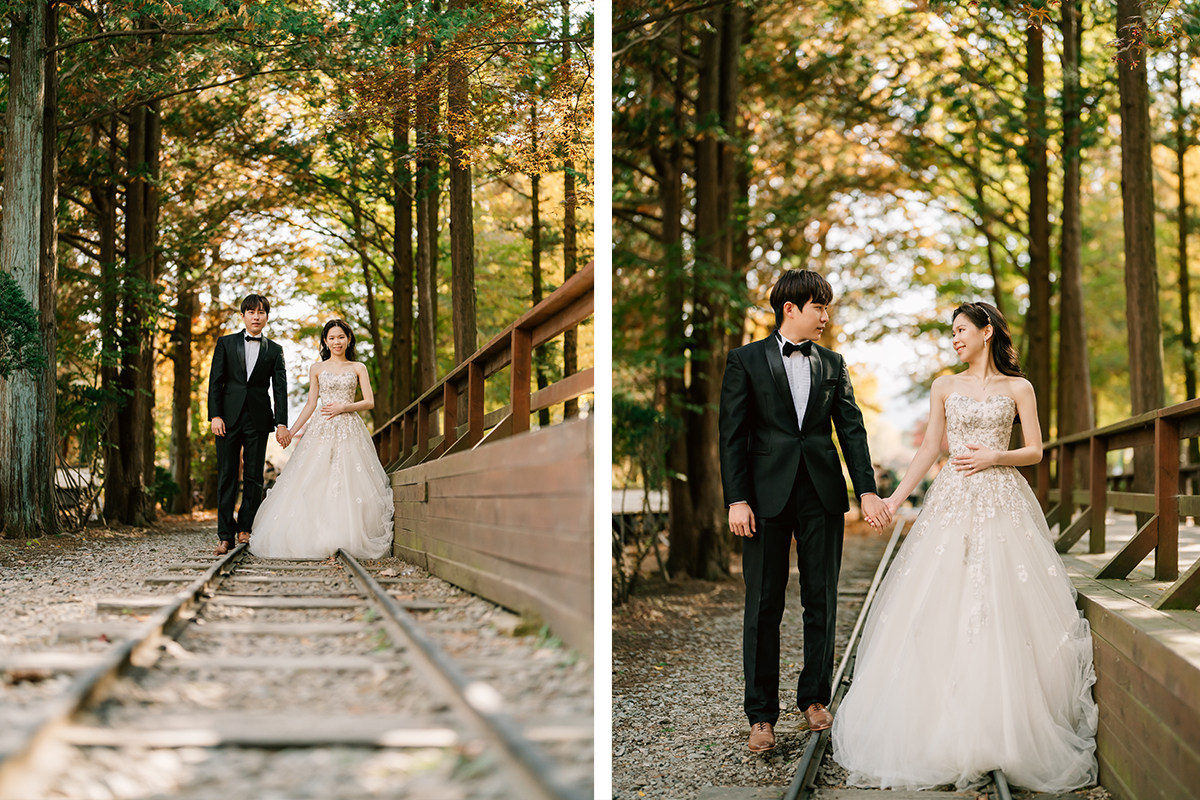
875, 510
741, 520
283, 435
218, 426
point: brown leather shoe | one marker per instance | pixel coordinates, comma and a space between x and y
243, 537
223, 548
762, 737
818, 717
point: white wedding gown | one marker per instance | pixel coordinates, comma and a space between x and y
974, 656
332, 493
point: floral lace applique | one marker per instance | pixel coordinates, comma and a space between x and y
334, 388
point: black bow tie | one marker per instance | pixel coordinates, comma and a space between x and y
804, 347
250, 338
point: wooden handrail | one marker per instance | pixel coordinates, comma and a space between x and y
409, 438
1163, 429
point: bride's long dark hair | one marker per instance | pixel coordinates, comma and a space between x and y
345, 326
1004, 355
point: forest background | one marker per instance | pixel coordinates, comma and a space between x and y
1039, 156
420, 169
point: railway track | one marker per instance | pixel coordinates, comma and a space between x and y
378, 684
803, 785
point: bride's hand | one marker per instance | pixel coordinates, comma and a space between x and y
894, 503
332, 409
980, 458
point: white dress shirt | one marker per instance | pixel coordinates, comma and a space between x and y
252, 349
799, 372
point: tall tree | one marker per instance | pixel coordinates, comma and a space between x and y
462, 209
26, 451
570, 250
1037, 321
1074, 374
1141, 265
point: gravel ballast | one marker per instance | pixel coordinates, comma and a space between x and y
51, 587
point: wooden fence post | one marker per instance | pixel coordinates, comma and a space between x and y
1098, 478
475, 409
1166, 498
522, 368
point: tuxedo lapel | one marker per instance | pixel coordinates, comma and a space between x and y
779, 374
262, 356
817, 364
239, 354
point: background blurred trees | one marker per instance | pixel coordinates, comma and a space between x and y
919, 154
192, 153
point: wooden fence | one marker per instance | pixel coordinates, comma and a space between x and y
1163, 430
484, 502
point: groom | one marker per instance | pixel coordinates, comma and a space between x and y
243, 366
780, 398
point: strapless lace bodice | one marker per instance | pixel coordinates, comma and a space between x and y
336, 388
988, 422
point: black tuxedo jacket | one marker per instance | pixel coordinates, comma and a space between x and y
230, 391
761, 443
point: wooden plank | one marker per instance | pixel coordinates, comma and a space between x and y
1074, 531
449, 412
475, 403
1171, 728
1183, 593
566, 515
1131, 501
1166, 498
1066, 480
1098, 500
283, 663
1139, 436
1135, 550
567, 389
562, 478
565, 319
267, 730
221, 628
114, 630
1042, 489
288, 602
1054, 515
50, 661
565, 556
132, 605
502, 430
1145, 764
522, 370
1152, 639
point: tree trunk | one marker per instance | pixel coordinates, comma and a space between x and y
1141, 266
402, 266
181, 400
1182, 144
26, 490
571, 337
48, 276
1037, 320
428, 202
669, 166
535, 265
462, 224
136, 419
707, 555
104, 196
1074, 373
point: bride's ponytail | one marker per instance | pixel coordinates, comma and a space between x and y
1004, 354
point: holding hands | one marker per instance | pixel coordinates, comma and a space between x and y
283, 436
980, 458
876, 511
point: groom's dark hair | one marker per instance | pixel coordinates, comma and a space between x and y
798, 286
256, 302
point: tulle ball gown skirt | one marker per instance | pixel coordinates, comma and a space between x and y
974, 656
333, 493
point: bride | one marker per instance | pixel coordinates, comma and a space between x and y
333, 492
974, 656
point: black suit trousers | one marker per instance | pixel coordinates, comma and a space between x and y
765, 556
240, 439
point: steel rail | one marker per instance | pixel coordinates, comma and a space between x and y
92, 685
476, 700
806, 771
